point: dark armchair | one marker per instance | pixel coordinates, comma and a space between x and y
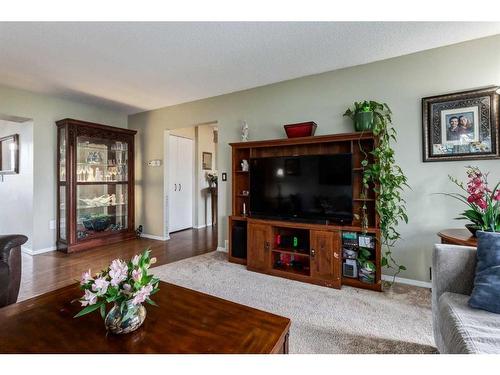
10, 267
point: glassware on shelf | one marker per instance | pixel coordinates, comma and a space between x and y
102, 162
98, 175
94, 157
101, 208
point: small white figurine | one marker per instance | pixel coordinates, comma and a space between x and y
98, 175
244, 132
244, 165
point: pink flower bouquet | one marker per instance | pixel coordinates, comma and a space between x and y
124, 284
483, 203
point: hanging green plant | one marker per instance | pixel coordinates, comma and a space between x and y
388, 181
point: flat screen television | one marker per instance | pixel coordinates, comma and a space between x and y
312, 188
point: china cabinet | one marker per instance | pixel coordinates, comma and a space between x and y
95, 185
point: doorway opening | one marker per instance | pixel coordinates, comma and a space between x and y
16, 178
190, 179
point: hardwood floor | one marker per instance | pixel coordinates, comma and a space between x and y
45, 272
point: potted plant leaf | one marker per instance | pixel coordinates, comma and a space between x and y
387, 179
363, 114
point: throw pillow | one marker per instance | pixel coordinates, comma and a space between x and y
486, 292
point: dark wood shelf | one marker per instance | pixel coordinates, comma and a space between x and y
239, 218
103, 233
243, 195
244, 172
237, 260
364, 199
289, 269
317, 139
103, 206
291, 252
102, 183
359, 284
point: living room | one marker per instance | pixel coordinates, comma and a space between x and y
250, 188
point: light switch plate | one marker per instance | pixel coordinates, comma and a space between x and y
154, 163
224, 176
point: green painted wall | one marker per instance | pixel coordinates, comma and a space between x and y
401, 82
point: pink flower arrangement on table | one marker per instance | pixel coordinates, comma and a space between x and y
483, 202
122, 283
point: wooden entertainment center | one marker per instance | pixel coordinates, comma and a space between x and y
320, 257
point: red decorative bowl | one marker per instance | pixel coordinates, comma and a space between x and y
302, 129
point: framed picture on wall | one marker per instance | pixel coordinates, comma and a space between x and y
206, 160
461, 125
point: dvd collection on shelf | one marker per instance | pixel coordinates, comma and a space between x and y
358, 251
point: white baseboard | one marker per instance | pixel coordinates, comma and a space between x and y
221, 248
202, 226
153, 237
32, 252
401, 280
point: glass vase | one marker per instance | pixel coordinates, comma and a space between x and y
126, 321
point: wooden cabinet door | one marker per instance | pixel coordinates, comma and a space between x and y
259, 247
325, 257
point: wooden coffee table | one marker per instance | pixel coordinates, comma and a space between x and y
186, 321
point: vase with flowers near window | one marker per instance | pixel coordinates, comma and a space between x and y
483, 203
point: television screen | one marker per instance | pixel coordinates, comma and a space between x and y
312, 187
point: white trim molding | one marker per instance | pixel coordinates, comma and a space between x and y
225, 248
203, 226
401, 280
27, 250
153, 237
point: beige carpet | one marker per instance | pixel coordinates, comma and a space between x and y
324, 320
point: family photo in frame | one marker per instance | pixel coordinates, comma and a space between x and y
461, 126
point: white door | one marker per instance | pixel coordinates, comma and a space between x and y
180, 177
185, 178
172, 184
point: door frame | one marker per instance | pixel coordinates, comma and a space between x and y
166, 207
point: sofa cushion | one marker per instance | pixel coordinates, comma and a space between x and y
467, 330
4, 283
486, 292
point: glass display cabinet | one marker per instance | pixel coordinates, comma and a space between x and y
95, 185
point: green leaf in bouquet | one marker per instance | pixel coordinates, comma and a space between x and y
103, 310
90, 309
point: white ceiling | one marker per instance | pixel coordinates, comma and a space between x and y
133, 67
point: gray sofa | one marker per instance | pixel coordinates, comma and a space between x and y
457, 327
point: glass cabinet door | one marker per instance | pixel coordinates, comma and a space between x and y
101, 186
62, 184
